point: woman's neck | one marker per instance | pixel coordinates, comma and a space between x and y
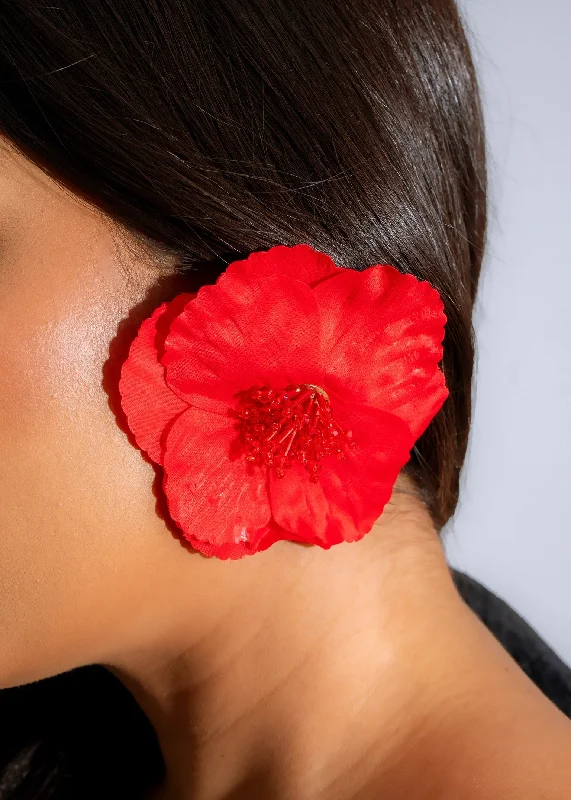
323, 680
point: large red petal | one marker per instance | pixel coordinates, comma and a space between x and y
382, 334
352, 492
299, 262
239, 333
149, 405
218, 499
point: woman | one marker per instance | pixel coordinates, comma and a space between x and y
145, 148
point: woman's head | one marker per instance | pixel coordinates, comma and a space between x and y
174, 137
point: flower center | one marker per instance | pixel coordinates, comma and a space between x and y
280, 425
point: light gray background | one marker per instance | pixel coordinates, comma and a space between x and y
512, 530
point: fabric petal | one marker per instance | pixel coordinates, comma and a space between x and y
273, 533
149, 405
239, 333
352, 492
217, 498
382, 334
299, 262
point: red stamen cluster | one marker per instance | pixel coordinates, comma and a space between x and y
279, 425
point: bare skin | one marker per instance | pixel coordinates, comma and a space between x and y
351, 674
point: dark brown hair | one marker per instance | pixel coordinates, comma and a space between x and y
218, 127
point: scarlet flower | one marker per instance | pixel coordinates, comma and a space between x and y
282, 401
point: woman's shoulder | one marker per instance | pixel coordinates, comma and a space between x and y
540, 663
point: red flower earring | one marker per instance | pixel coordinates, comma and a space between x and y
282, 401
